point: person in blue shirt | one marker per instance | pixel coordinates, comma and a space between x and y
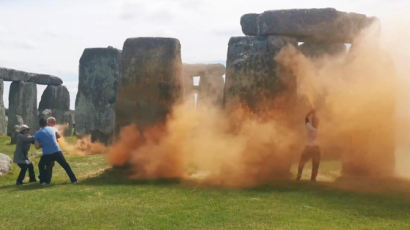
46, 138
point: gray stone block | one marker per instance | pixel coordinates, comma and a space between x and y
325, 25
56, 99
22, 103
151, 82
97, 91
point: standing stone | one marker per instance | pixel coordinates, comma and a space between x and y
5, 164
211, 88
23, 103
57, 100
3, 121
256, 83
326, 24
211, 82
97, 91
70, 122
151, 82
251, 73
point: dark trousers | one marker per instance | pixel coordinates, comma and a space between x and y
23, 170
46, 165
310, 152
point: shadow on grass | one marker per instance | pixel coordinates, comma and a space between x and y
119, 176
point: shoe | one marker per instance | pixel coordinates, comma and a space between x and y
19, 183
74, 182
43, 184
32, 181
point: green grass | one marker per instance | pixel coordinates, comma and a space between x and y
105, 199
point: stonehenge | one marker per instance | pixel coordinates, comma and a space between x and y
151, 81
97, 92
23, 99
140, 83
254, 79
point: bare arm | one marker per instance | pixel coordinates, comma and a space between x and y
311, 112
58, 135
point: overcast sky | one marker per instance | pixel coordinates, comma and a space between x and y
49, 36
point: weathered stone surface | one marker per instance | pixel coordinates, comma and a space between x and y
251, 73
3, 121
57, 100
211, 81
44, 79
5, 164
17, 75
318, 49
97, 92
326, 24
22, 103
151, 81
249, 24
70, 122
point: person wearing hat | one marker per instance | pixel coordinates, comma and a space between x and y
24, 140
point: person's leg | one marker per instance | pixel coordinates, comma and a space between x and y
303, 159
61, 160
315, 163
31, 173
49, 167
22, 174
42, 169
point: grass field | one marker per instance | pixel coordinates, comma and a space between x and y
105, 199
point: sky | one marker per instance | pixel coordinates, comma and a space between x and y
49, 36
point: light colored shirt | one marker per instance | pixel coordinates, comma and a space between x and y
311, 134
48, 140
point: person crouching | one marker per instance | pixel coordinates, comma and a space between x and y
24, 140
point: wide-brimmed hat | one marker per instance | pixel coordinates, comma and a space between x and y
24, 127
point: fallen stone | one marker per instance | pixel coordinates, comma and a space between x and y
151, 82
55, 99
5, 164
97, 92
23, 103
327, 24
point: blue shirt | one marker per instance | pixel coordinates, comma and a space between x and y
48, 140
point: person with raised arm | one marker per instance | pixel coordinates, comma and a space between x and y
312, 150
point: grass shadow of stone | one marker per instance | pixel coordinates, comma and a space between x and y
120, 176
